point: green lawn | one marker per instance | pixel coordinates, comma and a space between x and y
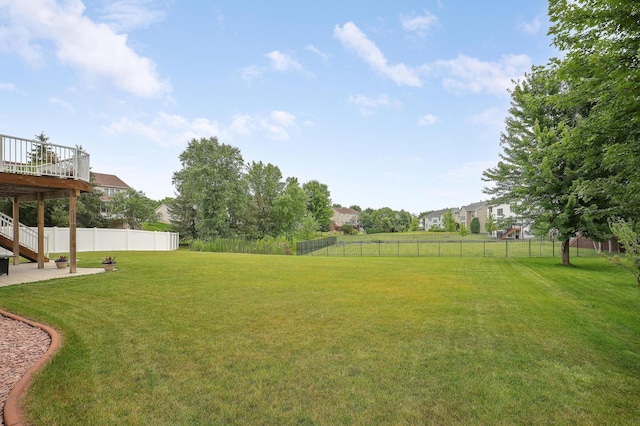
186, 338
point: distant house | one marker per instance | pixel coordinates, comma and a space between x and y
436, 219
109, 186
163, 213
508, 223
479, 210
342, 216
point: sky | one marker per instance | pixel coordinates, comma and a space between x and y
390, 104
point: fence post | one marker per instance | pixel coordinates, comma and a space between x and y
553, 247
506, 248
438, 248
460, 247
398, 248
529, 247
484, 249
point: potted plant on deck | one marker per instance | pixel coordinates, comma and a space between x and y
62, 262
109, 263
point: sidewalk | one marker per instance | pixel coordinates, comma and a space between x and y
29, 272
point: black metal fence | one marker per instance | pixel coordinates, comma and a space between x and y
446, 248
307, 247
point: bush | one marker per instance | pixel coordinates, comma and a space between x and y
474, 226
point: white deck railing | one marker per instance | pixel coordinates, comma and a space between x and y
28, 236
31, 157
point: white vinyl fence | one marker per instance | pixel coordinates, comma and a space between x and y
98, 239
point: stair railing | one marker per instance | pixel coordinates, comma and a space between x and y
28, 236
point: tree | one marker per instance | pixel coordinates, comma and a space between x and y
449, 221
319, 203
463, 231
541, 168
133, 207
600, 40
474, 226
41, 152
356, 208
490, 224
265, 185
212, 194
629, 239
290, 209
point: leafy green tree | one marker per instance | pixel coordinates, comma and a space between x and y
356, 208
265, 185
463, 231
600, 40
133, 207
449, 221
290, 209
540, 166
474, 226
629, 239
490, 224
212, 194
42, 152
319, 203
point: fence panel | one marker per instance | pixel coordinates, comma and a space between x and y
441, 248
98, 239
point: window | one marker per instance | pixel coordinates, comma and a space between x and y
500, 212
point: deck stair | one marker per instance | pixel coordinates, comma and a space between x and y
28, 239
510, 233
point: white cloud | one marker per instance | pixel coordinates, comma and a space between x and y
324, 56
250, 73
532, 27
352, 38
490, 122
242, 124
7, 86
170, 129
283, 118
418, 24
282, 62
368, 105
93, 49
165, 129
126, 15
428, 120
466, 74
63, 104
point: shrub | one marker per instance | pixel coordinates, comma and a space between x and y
474, 226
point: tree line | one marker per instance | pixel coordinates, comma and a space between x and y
571, 154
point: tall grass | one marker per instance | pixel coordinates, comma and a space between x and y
183, 338
267, 245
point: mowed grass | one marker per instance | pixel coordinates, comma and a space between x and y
186, 338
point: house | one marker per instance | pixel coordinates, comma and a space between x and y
108, 185
163, 213
508, 223
467, 213
435, 219
343, 216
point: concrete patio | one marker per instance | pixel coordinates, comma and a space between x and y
29, 272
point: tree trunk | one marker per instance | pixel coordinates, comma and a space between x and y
565, 252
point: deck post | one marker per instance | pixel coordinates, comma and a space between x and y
16, 231
40, 231
72, 232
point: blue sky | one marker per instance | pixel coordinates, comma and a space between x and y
391, 104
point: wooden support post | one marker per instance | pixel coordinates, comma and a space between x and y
40, 231
16, 231
72, 231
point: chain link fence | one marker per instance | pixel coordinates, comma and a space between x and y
448, 248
